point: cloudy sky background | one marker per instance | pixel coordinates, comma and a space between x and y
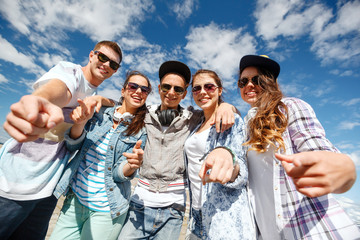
317, 44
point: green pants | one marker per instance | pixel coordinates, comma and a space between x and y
79, 222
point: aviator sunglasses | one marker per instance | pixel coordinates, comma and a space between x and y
103, 58
208, 87
166, 87
243, 81
133, 87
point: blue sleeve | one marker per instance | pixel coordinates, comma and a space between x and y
74, 144
233, 139
118, 173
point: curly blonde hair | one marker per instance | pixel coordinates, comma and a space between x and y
270, 121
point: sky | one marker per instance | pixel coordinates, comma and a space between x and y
317, 44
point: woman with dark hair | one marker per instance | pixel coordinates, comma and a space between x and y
290, 194
97, 180
220, 208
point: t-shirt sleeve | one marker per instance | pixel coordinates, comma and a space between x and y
64, 71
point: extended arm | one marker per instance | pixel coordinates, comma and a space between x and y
37, 113
318, 167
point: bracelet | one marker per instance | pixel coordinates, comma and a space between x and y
229, 150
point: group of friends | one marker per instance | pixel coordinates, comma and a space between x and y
269, 175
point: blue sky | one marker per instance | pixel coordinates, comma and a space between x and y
317, 44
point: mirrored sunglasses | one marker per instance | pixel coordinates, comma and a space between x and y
166, 87
208, 87
103, 58
133, 87
243, 81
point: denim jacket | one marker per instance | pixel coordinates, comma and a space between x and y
118, 187
225, 208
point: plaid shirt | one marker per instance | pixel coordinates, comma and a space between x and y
298, 216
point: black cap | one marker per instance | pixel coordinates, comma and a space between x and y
260, 61
175, 67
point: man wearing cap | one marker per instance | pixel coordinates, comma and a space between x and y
157, 206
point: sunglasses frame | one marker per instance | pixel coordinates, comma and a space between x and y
103, 58
167, 87
133, 87
244, 81
208, 87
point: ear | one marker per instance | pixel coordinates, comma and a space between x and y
184, 95
91, 54
159, 88
220, 91
122, 92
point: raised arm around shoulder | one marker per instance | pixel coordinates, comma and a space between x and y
224, 117
100, 101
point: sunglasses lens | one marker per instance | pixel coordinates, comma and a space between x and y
133, 86
165, 87
179, 90
242, 82
145, 89
196, 89
103, 58
114, 65
209, 87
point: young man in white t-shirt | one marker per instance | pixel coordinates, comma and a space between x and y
32, 161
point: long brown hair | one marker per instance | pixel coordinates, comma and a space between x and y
137, 123
270, 121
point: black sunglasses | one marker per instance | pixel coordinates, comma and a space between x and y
103, 58
208, 87
133, 87
243, 81
166, 87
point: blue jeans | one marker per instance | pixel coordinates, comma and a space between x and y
152, 223
194, 228
25, 219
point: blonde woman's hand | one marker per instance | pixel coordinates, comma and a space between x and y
318, 173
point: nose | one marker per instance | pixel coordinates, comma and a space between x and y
202, 90
138, 90
172, 90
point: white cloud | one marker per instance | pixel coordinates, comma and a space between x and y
289, 18
346, 125
351, 102
46, 23
335, 37
51, 60
352, 208
11, 54
3, 79
184, 9
218, 48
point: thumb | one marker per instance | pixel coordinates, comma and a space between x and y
55, 114
98, 106
138, 144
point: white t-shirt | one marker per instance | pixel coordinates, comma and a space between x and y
31, 170
195, 148
261, 182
